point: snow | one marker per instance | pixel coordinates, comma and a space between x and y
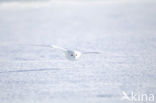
125, 32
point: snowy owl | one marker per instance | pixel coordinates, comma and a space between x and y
69, 54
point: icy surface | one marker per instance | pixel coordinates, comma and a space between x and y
125, 32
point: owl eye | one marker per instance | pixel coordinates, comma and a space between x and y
71, 54
75, 54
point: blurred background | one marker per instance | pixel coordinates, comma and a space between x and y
124, 30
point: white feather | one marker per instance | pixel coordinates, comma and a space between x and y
70, 54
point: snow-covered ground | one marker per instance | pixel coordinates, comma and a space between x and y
124, 31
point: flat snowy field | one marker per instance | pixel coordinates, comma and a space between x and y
124, 31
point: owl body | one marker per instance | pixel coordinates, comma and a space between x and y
69, 54
72, 55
